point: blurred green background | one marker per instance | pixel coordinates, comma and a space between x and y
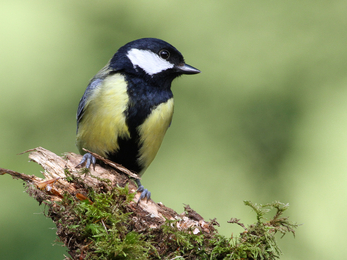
265, 120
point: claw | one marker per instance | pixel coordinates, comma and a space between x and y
88, 159
145, 194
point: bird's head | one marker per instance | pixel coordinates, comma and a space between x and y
153, 59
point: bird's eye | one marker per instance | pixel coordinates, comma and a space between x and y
165, 54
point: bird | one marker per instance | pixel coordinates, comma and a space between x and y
128, 106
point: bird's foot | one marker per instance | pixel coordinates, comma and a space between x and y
145, 194
88, 159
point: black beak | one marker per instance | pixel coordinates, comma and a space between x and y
187, 69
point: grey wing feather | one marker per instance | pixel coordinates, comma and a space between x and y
93, 84
81, 106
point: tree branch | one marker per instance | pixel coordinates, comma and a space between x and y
97, 216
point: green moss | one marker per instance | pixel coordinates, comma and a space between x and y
103, 227
256, 242
69, 176
100, 229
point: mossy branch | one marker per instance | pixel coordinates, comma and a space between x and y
98, 217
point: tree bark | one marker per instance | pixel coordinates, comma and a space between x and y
107, 175
98, 216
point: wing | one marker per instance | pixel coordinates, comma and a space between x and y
93, 84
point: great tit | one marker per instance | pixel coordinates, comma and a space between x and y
128, 105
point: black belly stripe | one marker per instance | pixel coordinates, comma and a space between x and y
127, 154
142, 100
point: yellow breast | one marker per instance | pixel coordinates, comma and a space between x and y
103, 120
152, 132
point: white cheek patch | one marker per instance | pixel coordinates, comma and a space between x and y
150, 62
